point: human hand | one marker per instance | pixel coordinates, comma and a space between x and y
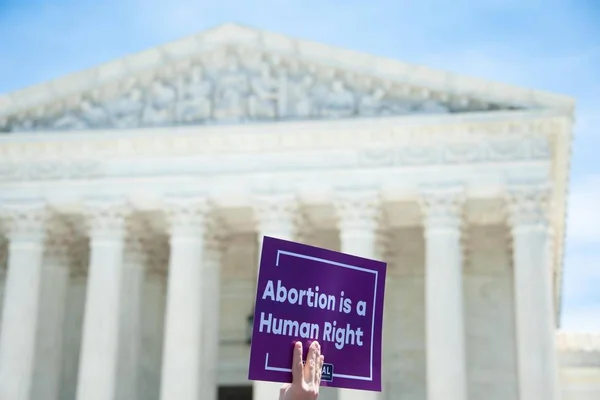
306, 378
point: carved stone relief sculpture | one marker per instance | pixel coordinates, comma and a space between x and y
231, 94
126, 108
158, 111
94, 114
431, 107
370, 105
23, 125
300, 103
230, 88
339, 102
69, 120
265, 96
195, 97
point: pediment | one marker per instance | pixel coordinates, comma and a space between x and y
233, 74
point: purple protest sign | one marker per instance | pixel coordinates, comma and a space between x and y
306, 293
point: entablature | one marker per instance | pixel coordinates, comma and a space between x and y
434, 137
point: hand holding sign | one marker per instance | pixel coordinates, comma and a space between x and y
308, 294
306, 377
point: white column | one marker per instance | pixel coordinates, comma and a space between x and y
183, 322
534, 302
55, 283
358, 222
129, 342
445, 330
275, 217
99, 348
26, 233
211, 291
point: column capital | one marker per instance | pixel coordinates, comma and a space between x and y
358, 210
25, 222
105, 220
442, 210
186, 216
528, 207
275, 214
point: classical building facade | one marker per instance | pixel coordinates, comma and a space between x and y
133, 198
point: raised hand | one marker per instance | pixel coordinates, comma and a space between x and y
306, 377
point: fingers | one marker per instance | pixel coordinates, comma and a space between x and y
320, 363
314, 352
297, 366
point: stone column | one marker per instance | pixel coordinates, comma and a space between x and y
358, 222
181, 367
129, 337
211, 300
55, 284
26, 232
275, 217
445, 330
534, 302
99, 354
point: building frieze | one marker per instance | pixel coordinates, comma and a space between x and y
234, 74
282, 137
502, 149
223, 87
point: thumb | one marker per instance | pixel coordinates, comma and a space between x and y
297, 366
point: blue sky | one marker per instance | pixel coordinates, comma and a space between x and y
546, 44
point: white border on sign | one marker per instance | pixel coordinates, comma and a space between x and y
354, 377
